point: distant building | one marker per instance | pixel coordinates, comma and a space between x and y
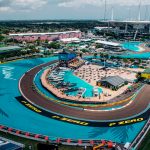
102, 28
146, 74
70, 40
112, 82
65, 58
8, 49
50, 36
107, 44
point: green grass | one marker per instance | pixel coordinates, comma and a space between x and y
33, 143
145, 143
144, 146
24, 141
2, 45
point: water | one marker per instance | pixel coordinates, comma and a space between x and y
138, 56
17, 116
70, 77
133, 46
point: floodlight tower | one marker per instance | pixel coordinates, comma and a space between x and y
139, 19
112, 13
139, 11
105, 10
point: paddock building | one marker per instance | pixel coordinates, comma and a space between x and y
146, 74
111, 82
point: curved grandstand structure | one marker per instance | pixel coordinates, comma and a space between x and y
135, 111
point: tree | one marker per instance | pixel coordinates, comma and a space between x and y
99, 46
101, 55
80, 55
95, 55
46, 41
106, 56
54, 45
140, 61
132, 59
1, 38
125, 60
38, 41
84, 50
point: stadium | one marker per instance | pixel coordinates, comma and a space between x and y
41, 113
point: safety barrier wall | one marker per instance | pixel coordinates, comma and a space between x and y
80, 103
137, 141
44, 138
68, 141
89, 103
84, 103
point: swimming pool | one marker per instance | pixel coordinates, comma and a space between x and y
145, 55
133, 46
70, 77
19, 117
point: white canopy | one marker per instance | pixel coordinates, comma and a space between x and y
107, 43
70, 40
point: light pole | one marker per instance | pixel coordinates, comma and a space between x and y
105, 10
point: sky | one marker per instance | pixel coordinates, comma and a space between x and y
73, 9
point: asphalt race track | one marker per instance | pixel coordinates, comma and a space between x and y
139, 104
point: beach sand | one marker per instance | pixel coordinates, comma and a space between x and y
93, 73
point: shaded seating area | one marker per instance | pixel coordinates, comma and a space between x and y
76, 63
112, 82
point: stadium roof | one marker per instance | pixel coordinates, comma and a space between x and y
107, 43
113, 80
9, 48
101, 28
48, 33
127, 21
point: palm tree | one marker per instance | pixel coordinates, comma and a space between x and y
95, 55
101, 55
80, 55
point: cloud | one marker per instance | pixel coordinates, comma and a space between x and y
5, 9
7, 5
98, 3
17, 5
31, 4
79, 3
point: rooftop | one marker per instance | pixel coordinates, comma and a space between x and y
48, 33
9, 48
70, 40
107, 43
147, 70
101, 28
113, 80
